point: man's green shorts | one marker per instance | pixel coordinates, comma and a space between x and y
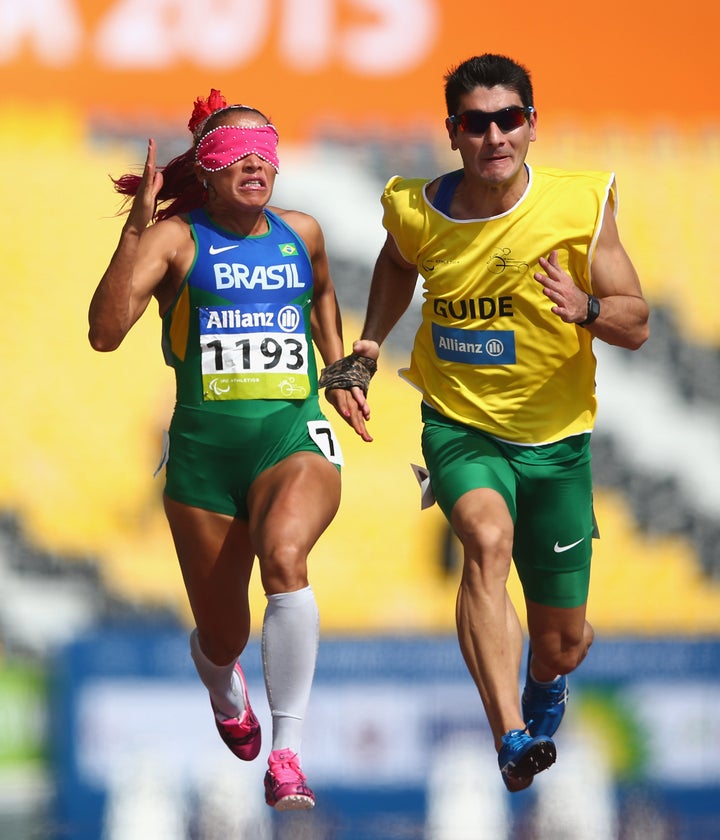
548, 491
214, 457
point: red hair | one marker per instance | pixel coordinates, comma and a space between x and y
181, 191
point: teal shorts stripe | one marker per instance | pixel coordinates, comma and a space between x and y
548, 491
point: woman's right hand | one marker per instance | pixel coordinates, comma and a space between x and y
142, 210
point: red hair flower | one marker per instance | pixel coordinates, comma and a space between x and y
205, 107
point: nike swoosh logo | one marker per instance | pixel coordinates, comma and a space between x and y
558, 549
214, 250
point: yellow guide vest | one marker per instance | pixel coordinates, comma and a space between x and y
489, 352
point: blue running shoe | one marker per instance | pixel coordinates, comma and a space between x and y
521, 757
543, 704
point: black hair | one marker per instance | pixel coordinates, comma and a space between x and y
487, 70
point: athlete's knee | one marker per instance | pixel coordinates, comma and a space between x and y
487, 547
483, 525
283, 568
480, 527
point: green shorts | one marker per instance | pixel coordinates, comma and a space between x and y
214, 458
548, 491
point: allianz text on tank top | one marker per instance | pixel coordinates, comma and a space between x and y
239, 329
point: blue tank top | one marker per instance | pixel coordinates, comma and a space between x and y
446, 190
238, 332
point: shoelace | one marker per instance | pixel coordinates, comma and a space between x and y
286, 770
514, 736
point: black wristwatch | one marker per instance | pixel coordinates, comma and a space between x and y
593, 311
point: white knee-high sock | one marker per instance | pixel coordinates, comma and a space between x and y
221, 681
290, 637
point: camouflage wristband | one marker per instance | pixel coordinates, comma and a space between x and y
350, 372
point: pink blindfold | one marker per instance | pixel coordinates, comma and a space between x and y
228, 144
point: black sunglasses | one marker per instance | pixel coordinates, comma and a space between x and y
506, 119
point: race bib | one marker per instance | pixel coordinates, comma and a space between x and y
323, 435
257, 352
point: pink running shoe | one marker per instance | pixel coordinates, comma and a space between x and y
241, 734
285, 788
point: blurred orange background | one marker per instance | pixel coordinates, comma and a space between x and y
358, 64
